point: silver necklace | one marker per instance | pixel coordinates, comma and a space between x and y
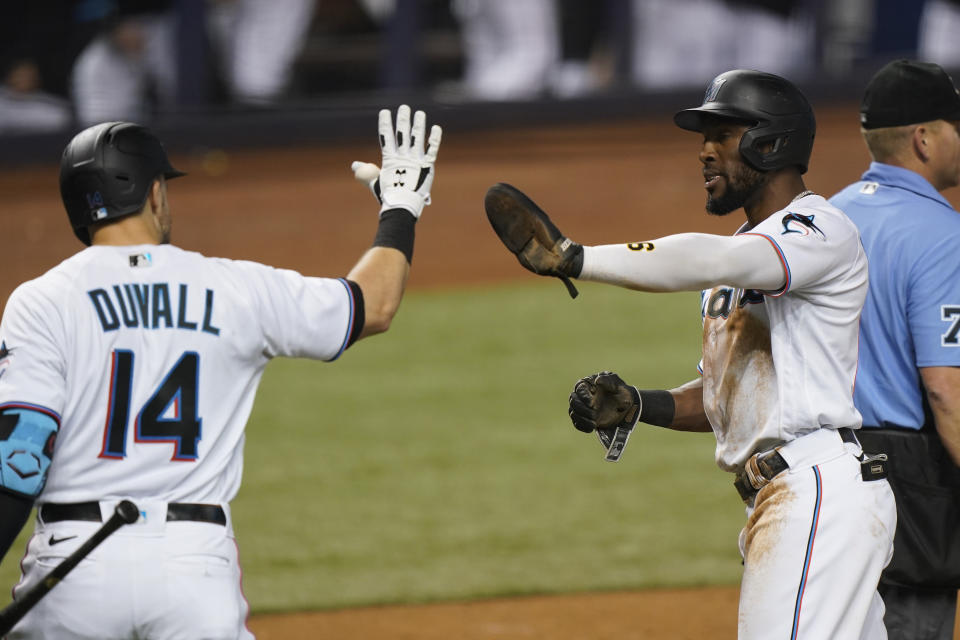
804, 194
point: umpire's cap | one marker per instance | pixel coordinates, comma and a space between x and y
779, 112
106, 172
909, 92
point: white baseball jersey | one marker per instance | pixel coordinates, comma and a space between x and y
150, 356
778, 370
779, 364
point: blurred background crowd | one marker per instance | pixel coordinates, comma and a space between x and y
67, 63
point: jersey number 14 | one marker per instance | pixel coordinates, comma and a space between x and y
170, 415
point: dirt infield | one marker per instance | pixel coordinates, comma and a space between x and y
667, 614
662, 614
299, 208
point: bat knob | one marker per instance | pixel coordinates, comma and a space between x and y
128, 512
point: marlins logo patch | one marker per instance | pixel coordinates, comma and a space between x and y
797, 223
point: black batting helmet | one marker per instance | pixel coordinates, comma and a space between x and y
106, 172
780, 113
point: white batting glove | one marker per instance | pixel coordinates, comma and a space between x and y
405, 179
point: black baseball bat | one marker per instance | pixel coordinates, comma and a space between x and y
125, 513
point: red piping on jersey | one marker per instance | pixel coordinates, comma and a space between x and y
33, 407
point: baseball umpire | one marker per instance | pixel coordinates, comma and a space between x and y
780, 307
129, 371
909, 369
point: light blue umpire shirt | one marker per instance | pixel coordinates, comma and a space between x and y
911, 317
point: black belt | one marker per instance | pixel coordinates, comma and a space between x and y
90, 511
763, 467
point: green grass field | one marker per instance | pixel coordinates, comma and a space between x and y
437, 462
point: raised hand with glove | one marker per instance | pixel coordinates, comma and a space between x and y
404, 179
401, 186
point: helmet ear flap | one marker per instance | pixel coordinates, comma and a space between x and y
759, 151
766, 148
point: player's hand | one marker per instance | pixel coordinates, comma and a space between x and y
603, 401
606, 404
406, 174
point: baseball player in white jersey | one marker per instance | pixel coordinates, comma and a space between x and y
129, 372
780, 310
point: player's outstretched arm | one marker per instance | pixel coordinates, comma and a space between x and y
687, 262
402, 187
682, 262
603, 403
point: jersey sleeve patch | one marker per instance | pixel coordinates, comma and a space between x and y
800, 224
27, 436
950, 313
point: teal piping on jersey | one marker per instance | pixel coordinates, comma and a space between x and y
352, 319
783, 262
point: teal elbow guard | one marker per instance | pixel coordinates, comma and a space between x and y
26, 449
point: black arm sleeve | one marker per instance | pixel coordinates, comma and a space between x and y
14, 511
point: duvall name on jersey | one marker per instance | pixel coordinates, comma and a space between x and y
152, 305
